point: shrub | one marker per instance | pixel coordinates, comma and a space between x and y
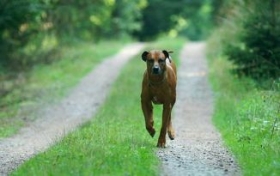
255, 50
18, 24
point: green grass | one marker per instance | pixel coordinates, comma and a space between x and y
248, 117
115, 141
53, 80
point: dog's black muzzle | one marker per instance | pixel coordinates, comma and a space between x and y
156, 70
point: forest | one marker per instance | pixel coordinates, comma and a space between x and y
33, 31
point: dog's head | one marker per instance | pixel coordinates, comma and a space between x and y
156, 61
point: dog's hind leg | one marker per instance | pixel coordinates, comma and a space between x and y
170, 130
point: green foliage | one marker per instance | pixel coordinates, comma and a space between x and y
69, 23
18, 24
247, 116
184, 17
99, 19
27, 25
157, 18
253, 37
126, 17
198, 18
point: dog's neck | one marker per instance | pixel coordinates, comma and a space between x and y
156, 80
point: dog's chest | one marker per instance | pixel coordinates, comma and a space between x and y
156, 100
159, 95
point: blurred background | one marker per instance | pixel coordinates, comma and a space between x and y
32, 31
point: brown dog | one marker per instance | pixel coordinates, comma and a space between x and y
159, 87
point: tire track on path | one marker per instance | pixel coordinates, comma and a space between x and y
198, 148
59, 119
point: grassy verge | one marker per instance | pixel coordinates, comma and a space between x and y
115, 142
46, 83
248, 117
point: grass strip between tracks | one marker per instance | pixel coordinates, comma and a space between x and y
115, 141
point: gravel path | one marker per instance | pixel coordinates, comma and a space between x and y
57, 120
197, 148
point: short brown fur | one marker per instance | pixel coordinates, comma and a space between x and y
159, 87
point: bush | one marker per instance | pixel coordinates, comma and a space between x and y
254, 47
32, 30
18, 24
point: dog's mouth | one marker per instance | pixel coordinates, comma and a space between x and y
156, 70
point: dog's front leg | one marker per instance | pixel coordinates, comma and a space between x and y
166, 114
170, 129
147, 109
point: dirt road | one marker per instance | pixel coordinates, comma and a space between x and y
197, 148
59, 119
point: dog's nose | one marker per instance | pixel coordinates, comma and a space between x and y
156, 69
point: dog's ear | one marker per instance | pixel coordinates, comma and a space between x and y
144, 56
166, 54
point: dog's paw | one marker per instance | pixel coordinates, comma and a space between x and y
152, 132
161, 145
171, 135
161, 142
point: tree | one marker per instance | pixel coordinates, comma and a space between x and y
256, 50
19, 21
161, 16
157, 18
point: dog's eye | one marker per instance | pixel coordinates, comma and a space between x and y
151, 61
161, 60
